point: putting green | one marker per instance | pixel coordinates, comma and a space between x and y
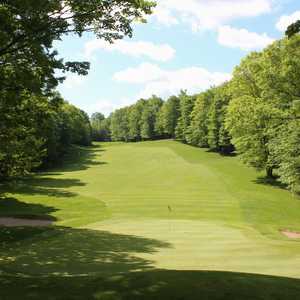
196, 245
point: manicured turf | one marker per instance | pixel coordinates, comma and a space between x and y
153, 220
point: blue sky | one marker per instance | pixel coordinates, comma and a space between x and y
191, 44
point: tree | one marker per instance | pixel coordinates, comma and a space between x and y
186, 107
170, 113
293, 29
199, 117
218, 137
62, 125
135, 113
29, 28
99, 130
149, 116
21, 145
119, 125
250, 122
285, 148
29, 68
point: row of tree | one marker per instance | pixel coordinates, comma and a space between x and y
257, 114
38, 131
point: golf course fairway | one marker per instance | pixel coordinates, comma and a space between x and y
150, 220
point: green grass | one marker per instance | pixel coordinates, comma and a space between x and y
153, 220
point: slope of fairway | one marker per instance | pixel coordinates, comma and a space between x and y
152, 220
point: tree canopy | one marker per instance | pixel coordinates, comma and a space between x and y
37, 125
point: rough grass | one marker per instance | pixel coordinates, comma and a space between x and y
153, 220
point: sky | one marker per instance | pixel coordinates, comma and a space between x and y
190, 45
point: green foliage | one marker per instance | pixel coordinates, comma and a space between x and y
35, 124
119, 125
135, 113
266, 90
149, 118
136, 122
249, 121
29, 28
38, 130
293, 29
199, 117
285, 148
187, 103
19, 139
100, 127
168, 117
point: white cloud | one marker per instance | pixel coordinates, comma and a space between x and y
164, 83
242, 38
158, 52
106, 106
204, 14
287, 20
164, 16
143, 73
74, 80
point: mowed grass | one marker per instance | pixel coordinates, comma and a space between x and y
152, 220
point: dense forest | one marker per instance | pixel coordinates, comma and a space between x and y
256, 114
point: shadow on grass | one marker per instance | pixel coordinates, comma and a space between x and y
64, 251
81, 158
154, 284
271, 182
40, 185
11, 207
61, 263
44, 183
223, 152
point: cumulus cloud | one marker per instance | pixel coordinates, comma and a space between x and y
203, 14
287, 20
74, 80
106, 106
165, 83
143, 73
242, 38
158, 52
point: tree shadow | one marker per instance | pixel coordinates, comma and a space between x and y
153, 284
271, 182
43, 185
80, 158
62, 251
223, 152
11, 207
61, 263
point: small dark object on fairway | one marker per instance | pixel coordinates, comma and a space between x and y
170, 209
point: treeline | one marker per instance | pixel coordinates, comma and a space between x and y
197, 120
256, 114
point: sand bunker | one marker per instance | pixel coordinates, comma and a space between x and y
291, 234
15, 222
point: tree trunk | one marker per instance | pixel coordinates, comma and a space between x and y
269, 172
